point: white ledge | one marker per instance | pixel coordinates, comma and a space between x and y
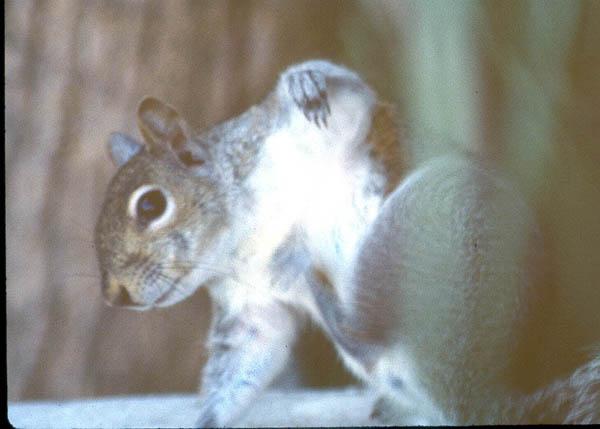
347, 407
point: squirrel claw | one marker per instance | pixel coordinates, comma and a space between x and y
309, 92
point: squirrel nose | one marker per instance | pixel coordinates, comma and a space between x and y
115, 294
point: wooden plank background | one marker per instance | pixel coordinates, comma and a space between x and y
518, 80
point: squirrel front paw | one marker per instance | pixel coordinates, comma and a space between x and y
213, 413
308, 90
206, 421
388, 412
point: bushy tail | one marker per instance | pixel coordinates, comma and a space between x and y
575, 400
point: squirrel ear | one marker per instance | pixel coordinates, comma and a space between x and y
122, 148
161, 126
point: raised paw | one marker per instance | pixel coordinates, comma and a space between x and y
309, 92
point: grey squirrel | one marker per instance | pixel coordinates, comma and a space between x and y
303, 207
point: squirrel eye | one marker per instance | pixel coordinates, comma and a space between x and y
150, 206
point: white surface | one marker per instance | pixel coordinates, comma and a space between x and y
349, 407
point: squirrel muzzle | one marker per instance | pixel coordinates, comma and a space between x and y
115, 294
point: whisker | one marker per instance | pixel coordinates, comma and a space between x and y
206, 267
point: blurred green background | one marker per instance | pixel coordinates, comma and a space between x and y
518, 81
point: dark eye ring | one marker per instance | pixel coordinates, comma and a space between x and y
150, 206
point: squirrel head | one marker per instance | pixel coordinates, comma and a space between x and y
162, 216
